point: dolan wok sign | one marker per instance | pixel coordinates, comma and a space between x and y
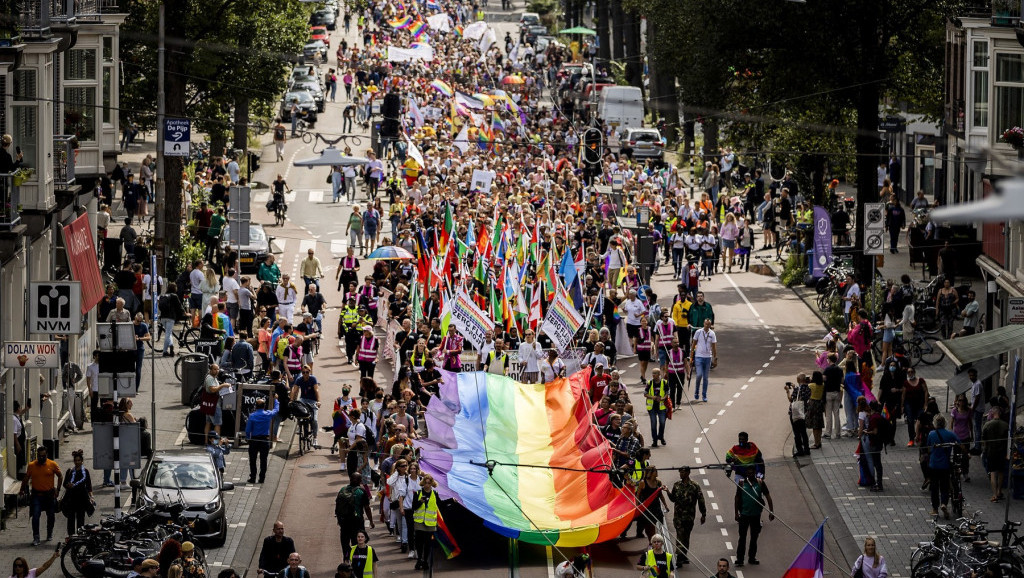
32, 354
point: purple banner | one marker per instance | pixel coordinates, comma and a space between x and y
822, 242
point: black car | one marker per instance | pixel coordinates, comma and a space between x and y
190, 477
324, 17
311, 49
533, 32
251, 254
306, 102
312, 86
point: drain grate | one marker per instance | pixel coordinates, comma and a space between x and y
314, 466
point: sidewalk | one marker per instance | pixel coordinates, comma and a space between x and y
248, 506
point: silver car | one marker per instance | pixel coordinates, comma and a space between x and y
645, 142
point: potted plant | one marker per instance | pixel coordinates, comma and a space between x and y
1015, 138
23, 174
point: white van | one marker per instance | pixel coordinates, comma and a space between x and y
621, 107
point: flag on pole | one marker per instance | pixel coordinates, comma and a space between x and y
446, 540
535, 312
810, 562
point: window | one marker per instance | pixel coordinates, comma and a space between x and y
108, 76
80, 64
1009, 91
108, 49
25, 114
979, 83
80, 112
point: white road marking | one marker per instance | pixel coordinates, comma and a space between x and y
728, 403
551, 561
281, 242
751, 380
745, 386
316, 196
759, 372
739, 574
712, 422
728, 545
304, 246
698, 440
260, 198
735, 395
777, 351
743, 297
765, 365
289, 197
725, 532
714, 506
720, 519
697, 461
339, 246
772, 358
721, 412
707, 482
711, 494
632, 365
696, 450
770, 332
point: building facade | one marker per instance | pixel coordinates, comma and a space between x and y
59, 85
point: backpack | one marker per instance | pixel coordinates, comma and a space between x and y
346, 504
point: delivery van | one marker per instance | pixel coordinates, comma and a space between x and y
621, 107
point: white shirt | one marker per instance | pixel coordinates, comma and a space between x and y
147, 281
231, 287
196, 279
549, 371
976, 392
634, 308
704, 338
17, 426
529, 355
92, 376
853, 290
286, 295
355, 429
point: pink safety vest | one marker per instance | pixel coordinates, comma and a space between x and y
643, 341
367, 349
676, 361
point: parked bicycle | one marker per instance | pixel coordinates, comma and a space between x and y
920, 349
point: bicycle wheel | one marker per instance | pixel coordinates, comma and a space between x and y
876, 349
931, 353
927, 320
913, 353
188, 339
179, 363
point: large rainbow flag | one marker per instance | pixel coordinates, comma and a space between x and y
481, 418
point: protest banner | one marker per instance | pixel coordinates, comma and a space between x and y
561, 322
470, 320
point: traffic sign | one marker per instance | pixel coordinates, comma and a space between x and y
874, 228
56, 307
177, 136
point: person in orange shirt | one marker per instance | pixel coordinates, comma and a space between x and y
39, 476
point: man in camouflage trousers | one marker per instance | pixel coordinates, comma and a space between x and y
687, 496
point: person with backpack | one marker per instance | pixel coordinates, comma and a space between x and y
352, 510
940, 441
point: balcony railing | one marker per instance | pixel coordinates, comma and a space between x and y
35, 18
109, 6
62, 11
63, 161
10, 210
88, 9
1006, 12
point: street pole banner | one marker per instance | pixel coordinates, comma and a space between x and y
561, 322
471, 321
78, 240
822, 242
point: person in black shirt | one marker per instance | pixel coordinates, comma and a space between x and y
429, 379
275, 551
405, 340
218, 191
833, 396
9, 163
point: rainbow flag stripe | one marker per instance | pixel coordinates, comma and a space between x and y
418, 28
480, 417
400, 23
442, 87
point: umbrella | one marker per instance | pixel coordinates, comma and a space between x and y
390, 253
331, 157
513, 80
578, 30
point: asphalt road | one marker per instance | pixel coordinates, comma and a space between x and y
758, 324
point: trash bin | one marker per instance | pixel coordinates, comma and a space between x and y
193, 373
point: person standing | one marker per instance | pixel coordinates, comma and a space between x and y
895, 220
362, 557
78, 501
656, 562
656, 395
259, 430
287, 293
142, 336
994, 451
797, 396
687, 496
941, 441
424, 520
367, 353
833, 375
39, 478
704, 356
276, 549
20, 567
530, 354
352, 510
751, 497
870, 563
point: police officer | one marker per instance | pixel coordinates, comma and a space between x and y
687, 496
349, 328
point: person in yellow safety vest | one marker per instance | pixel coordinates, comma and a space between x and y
424, 520
638, 465
656, 562
362, 557
419, 355
367, 353
681, 315
496, 361
657, 406
348, 318
480, 14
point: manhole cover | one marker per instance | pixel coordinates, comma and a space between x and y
315, 466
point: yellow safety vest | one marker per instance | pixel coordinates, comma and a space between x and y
426, 514
652, 563
660, 393
368, 568
350, 316
638, 471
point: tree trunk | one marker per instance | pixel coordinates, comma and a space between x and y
604, 49
241, 128
618, 19
668, 103
689, 137
631, 39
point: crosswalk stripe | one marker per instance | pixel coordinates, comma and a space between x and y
280, 243
339, 246
305, 245
289, 197
316, 196
261, 198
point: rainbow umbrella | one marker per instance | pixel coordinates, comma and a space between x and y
512, 79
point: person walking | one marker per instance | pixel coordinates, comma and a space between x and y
259, 431
78, 501
362, 557
870, 564
940, 441
367, 353
704, 356
656, 395
276, 549
656, 562
39, 478
352, 510
687, 496
993, 436
280, 139
816, 408
751, 497
676, 366
424, 520
915, 396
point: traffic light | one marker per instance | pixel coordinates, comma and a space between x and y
254, 162
593, 150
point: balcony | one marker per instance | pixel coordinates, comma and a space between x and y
10, 203
64, 161
955, 118
109, 6
35, 18
88, 10
62, 12
1006, 12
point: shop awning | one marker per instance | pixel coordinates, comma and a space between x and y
964, 350
986, 368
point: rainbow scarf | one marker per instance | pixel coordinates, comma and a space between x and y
480, 416
741, 456
223, 322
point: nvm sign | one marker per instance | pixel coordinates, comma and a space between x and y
55, 307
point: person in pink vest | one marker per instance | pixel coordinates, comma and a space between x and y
367, 353
676, 371
451, 348
644, 341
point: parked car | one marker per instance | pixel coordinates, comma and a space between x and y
187, 476
645, 142
324, 17
534, 32
320, 33
306, 104
527, 19
312, 48
252, 254
302, 72
312, 86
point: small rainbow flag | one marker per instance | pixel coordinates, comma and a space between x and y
418, 28
373, 40
496, 125
401, 22
446, 540
442, 87
484, 138
458, 31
